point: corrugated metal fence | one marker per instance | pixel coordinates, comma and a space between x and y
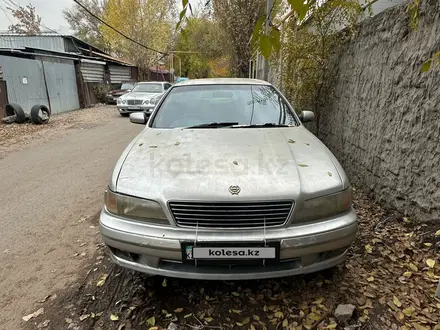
27, 79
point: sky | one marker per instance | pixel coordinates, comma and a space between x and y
51, 12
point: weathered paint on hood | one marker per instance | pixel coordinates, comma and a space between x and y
139, 96
200, 164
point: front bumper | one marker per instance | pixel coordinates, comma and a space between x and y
156, 250
123, 108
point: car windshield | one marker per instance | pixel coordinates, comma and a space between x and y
148, 88
127, 86
188, 106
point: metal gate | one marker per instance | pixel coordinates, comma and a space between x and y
61, 85
25, 81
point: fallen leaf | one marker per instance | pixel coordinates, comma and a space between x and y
430, 263
208, 319
397, 302
165, 312
318, 301
407, 274
187, 315
102, 280
178, 310
84, 317
392, 306
427, 244
256, 317
45, 299
236, 311
332, 325
252, 327
409, 311
413, 267
153, 147
153, 328
437, 233
33, 315
235, 294
151, 321
246, 321
370, 279
285, 323
291, 141
303, 165
368, 248
164, 282
279, 315
329, 174
114, 317
239, 324
177, 143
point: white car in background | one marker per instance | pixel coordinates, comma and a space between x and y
143, 97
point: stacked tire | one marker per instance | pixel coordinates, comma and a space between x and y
40, 114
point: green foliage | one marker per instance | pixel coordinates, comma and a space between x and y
86, 27
306, 51
413, 10
101, 91
200, 46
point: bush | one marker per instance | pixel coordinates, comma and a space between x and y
101, 91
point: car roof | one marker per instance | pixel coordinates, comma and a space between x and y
151, 82
222, 81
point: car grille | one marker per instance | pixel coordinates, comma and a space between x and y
134, 102
231, 215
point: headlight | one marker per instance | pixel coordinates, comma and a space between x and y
135, 208
326, 206
119, 101
154, 101
146, 102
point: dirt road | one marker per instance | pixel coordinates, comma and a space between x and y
52, 182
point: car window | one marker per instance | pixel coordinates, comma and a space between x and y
186, 106
148, 88
127, 86
167, 86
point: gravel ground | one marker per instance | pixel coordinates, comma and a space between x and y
15, 137
390, 278
52, 180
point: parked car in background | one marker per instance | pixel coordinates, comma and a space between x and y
113, 95
143, 97
226, 183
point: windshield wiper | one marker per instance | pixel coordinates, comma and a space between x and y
261, 125
214, 125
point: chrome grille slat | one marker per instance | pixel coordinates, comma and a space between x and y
134, 102
230, 215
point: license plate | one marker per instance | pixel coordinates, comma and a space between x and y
214, 253
217, 253
134, 108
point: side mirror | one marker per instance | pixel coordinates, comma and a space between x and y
138, 118
307, 116
128, 90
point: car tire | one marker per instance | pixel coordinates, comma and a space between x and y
15, 109
36, 117
124, 114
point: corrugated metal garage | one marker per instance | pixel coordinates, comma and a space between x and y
27, 79
93, 71
119, 74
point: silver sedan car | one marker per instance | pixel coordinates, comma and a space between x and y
225, 183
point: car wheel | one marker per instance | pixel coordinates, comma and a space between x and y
124, 114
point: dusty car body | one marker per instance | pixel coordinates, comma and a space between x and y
143, 97
201, 198
113, 95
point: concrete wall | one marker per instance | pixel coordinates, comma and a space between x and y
381, 118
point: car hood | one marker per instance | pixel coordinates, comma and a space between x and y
140, 96
118, 91
201, 164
